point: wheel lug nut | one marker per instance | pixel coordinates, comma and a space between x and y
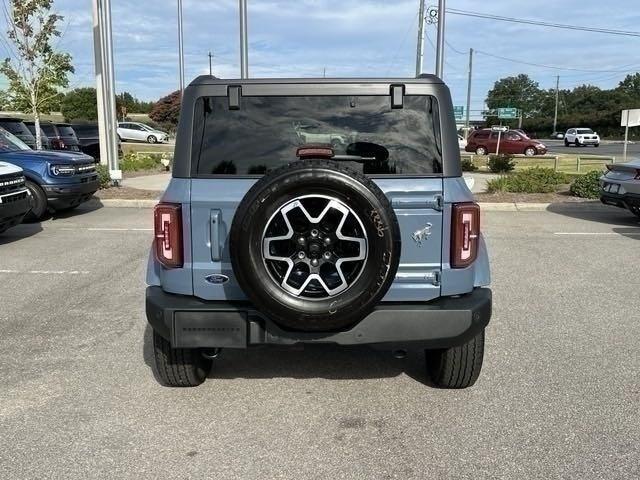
314, 233
314, 262
327, 241
301, 240
301, 255
327, 255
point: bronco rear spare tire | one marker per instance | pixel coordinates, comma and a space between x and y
315, 245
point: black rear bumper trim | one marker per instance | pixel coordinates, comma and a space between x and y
188, 322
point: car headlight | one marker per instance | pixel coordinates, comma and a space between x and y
62, 170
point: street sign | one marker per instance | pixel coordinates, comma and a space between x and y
458, 111
633, 118
508, 112
499, 128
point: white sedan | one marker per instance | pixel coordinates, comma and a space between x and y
462, 143
139, 132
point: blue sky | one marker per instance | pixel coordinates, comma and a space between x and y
353, 38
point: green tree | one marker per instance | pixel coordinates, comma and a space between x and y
35, 70
80, 104
630, 88
520, 92
166, 111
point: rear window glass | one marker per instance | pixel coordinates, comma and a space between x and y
66, 131
364, 131
582, 131
49, 129
17, 128
86, 130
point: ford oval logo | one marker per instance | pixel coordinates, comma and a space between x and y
217, 279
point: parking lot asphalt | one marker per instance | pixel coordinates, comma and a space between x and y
559, 395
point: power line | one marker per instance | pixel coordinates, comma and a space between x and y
555, 67
626, 33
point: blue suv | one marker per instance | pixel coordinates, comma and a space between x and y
318, 211
56, 181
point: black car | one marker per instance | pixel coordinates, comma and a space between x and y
61, 136
17, 127
89, 138
46, 144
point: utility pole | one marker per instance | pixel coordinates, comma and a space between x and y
180, 47
105, 87
244, 56
555, 115
210, 63
466, 123
420, 45
440, 40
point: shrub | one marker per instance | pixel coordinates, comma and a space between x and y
497, 185
103, 176
501, 163
587, 185
531, 180
132, 162
468, 166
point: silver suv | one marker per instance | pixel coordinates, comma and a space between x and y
318, 211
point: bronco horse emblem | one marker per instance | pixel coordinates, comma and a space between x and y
421, 235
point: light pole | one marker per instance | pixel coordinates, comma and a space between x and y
466, 123
105, 87
420, 46
210, 63
440, 40
244, 56
555, 114
180, 47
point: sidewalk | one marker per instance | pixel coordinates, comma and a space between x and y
156, 182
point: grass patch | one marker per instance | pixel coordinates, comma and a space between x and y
531, 180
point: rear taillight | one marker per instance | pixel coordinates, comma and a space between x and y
609, 167
168, 234
465, 234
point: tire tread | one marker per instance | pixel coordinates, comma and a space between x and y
178, 367
456, 367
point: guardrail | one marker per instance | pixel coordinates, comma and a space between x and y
560, 163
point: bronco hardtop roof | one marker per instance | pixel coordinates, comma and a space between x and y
211, 80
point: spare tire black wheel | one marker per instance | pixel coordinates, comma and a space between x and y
315, 245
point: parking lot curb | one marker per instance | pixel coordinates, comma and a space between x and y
538, 207
121, 203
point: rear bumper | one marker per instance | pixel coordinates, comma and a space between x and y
625, 200
67, 195
188, 322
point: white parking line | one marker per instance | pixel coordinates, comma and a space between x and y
120, 229
47, 272
108, 229
598, 233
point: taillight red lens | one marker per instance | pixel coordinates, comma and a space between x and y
609, 167
465, 234
168, 234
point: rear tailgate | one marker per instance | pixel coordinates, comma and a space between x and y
417, 203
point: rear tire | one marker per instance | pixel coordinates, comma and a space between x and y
38, 202
576, 143
152, 139
179, 367
566, 142
456, 367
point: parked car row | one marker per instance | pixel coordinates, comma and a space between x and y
35, 182
77, 137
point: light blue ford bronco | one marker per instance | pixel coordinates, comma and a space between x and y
318, 211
